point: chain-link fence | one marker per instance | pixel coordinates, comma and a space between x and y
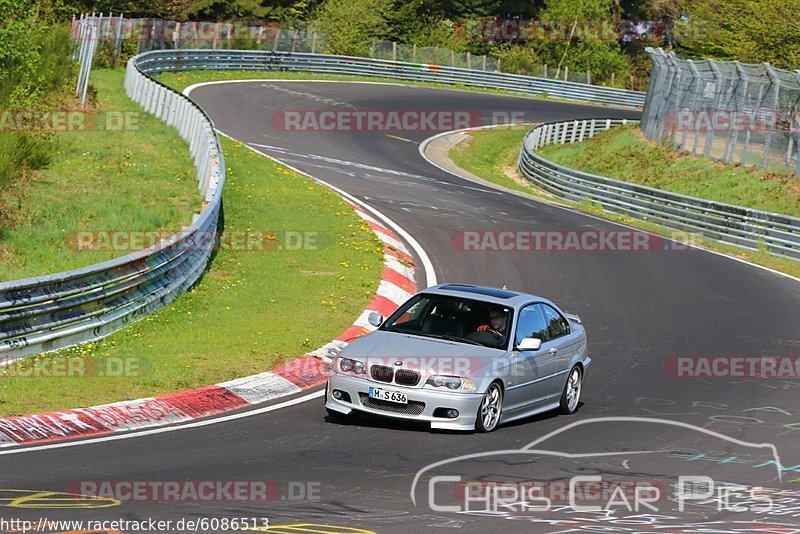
114, 32
726, 110
432, 55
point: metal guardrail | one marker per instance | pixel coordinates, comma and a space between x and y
736, 225
178, 60
54, 311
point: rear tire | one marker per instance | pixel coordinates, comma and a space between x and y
490, 410
571, 397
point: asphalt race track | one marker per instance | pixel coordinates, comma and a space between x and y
640, 309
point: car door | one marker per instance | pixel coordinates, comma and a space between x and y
533, 370
564, 342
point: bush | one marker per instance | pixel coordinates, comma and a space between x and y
352, 26
516, 59
35, 69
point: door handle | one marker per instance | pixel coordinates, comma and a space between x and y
553, 350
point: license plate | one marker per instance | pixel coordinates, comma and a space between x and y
387, 395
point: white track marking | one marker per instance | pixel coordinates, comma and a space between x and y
196, 424
430, 277
423, 146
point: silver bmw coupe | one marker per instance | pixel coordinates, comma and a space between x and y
463, 357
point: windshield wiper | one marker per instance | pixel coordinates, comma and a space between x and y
454, 338
402, 331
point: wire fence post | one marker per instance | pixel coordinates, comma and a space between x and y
776, 83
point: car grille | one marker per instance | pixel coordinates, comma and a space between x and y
406, 378
382, 373
412, 408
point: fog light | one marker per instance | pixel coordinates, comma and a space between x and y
337, 394
452, 414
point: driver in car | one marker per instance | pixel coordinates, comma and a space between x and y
497, 323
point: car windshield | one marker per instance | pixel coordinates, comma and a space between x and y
452, 318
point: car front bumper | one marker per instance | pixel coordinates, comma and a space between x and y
422, 402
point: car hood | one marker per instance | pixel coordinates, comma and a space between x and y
429, 355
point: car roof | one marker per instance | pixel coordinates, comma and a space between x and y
503, 297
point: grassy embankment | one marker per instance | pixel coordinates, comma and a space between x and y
250, 311
623, 153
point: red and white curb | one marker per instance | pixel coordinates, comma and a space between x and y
397, 285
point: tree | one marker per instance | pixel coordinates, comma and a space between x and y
351, 26
668, 12
752, 31
586, 41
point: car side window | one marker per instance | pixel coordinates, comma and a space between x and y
557, 326
531, 323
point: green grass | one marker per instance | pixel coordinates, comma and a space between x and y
623, 153
251, 310
492, 154
99, 180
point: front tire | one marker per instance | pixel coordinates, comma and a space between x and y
571, 396
491, 409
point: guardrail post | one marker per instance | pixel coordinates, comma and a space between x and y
591, 128
574, 132
583, 130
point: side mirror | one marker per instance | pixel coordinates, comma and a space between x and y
530, 343
375, 319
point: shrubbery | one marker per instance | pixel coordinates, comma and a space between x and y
35, 70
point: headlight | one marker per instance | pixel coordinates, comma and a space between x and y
346, 365
451, 382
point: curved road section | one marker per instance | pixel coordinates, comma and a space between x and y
690, 415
